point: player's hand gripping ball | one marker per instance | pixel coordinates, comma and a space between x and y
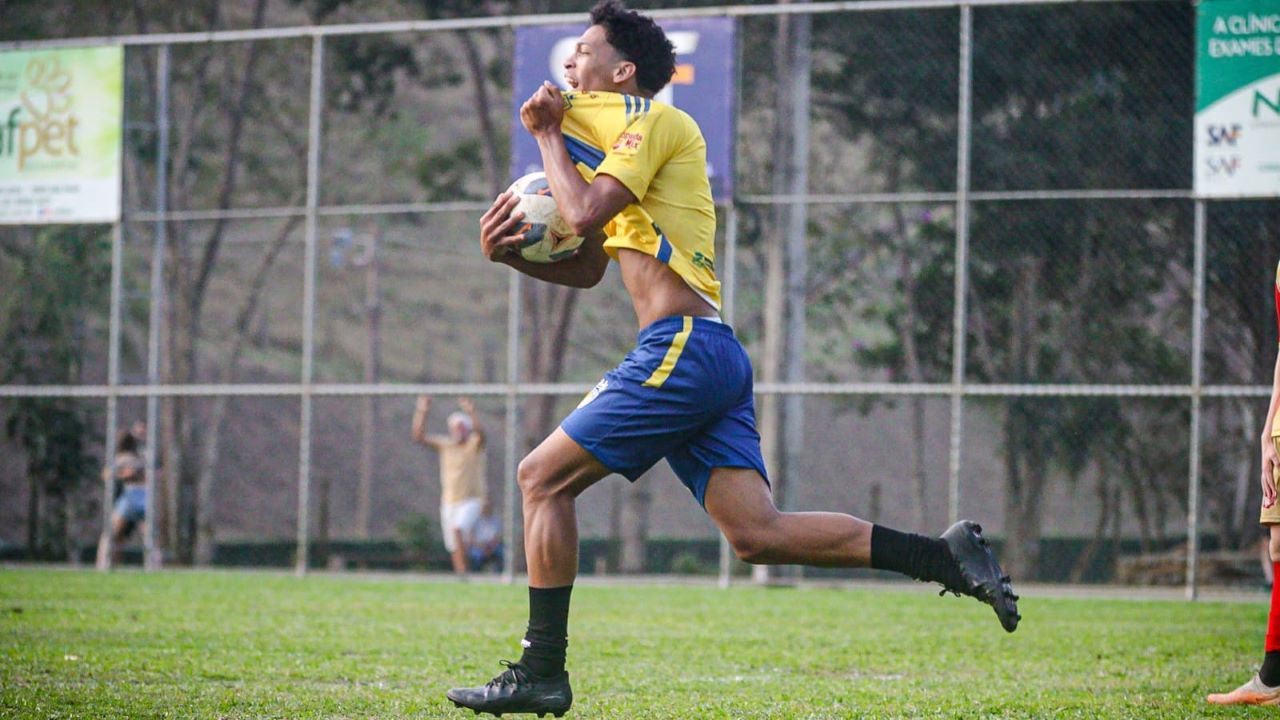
547, 237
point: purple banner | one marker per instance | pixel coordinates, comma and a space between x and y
702, 86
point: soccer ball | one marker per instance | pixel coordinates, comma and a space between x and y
547, 237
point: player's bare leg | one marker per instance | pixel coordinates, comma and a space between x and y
551, 478
740, 503
1264, 687
459, 554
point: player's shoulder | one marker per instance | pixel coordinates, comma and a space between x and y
633, 106
671, 119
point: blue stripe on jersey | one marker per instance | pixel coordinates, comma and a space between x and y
580, 152
646, 105
627, 100
664, 249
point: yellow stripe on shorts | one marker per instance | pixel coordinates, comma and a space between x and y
660, 375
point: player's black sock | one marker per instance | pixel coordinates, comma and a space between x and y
548, 634
916, 556
1269, 673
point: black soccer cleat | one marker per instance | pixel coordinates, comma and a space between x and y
982, 574
516, 690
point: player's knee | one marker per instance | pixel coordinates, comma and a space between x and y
529, 477
535, 480
1274, 547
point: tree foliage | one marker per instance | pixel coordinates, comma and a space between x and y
1060, 291
62, 273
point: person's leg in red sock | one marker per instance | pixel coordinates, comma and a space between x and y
1263, 688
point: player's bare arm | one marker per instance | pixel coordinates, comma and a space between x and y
418, 430
1270, 459
585, 206
500, 241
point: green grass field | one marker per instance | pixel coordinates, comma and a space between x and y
237, 645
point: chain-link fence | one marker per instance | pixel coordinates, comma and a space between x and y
980, 286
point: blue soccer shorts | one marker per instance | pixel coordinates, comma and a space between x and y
684, 393
132, 503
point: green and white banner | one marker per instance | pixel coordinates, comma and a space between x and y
60, 132
1238, 98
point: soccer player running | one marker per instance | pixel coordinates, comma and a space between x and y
629, 174
1264, 687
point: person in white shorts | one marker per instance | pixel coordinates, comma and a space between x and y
462, 474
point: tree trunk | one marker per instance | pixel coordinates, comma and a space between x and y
906, 329
171, 437
55, 517
475, 65
1238, 519
33, 513
1013, 556
191, 476
320, 553
1024, 446
549, 309
1136, 482
1106, 508
635, 528
615, 527
205, 542
369, 403
775, 302
796, 180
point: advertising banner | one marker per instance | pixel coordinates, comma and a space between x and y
1237, 144
703, 86
60, 133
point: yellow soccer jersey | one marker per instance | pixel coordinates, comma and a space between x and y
658, 152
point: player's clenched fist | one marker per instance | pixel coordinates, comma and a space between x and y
544, 110
498, 228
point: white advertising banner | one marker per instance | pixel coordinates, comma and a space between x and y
60, 133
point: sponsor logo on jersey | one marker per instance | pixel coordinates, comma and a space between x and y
628, 141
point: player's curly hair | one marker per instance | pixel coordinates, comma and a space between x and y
638, 39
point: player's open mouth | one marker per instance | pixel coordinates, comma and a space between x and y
572, 82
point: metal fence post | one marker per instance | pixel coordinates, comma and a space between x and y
153, 553
510, 457
729, 283
726, 312
960, 322
309, 301
797, 256
1197, 364
106, 542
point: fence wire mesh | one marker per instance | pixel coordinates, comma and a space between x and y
1071, 193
